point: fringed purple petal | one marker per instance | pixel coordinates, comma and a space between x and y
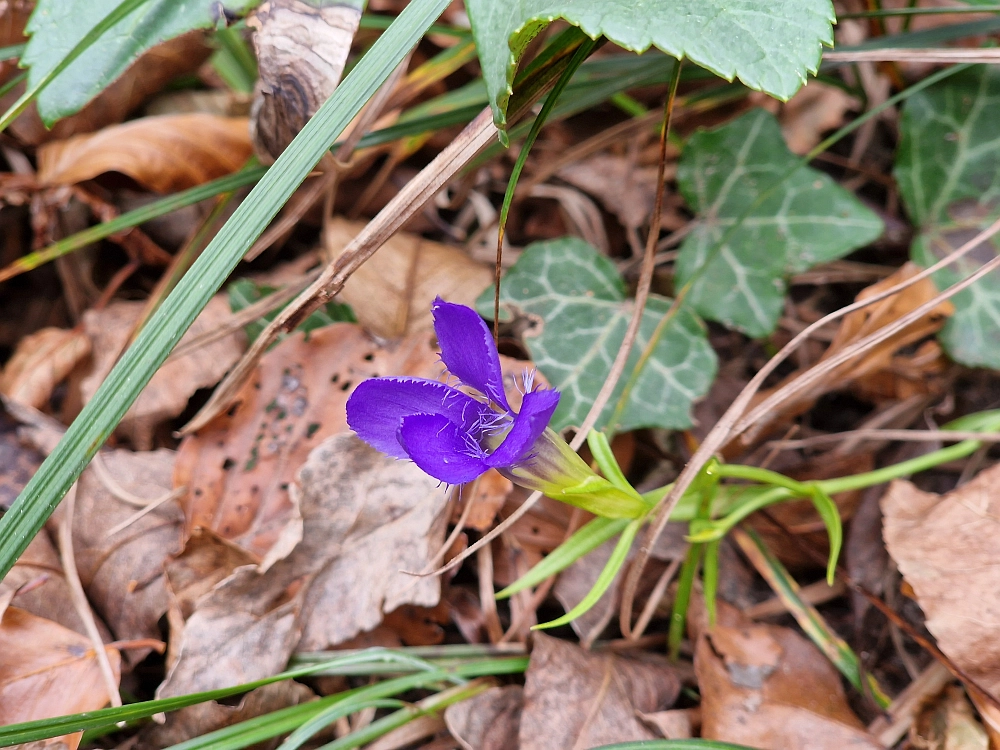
536, 412
441, 448
467, 349
377, 407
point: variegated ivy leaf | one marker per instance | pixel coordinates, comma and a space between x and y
770, 45
575, 299
948, 170
761, 218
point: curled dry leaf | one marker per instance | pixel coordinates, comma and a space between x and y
365, 518
40, 362
47, 670
123, 572
167, 394
238, 469
165, 153
391, 293
945, 547
302, 48
487, 721
767, 686
574, 698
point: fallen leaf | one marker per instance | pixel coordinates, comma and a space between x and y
122, 572
814, 111
945, 548
391, 293
676, 724
47, 670
948, 723
487, 721
767, 686
239, 467
487, 496
167, 394
165, 154
575, 699
365, 518
626, 190
18, 462
40, 363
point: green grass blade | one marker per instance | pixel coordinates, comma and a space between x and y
122, 10
165, 328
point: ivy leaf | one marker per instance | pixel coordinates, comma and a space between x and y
759, 220
948, 171
56, 26
769, 46
576, 299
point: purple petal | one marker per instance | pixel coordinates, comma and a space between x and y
441, 448
377, 407
467, 349
536, 412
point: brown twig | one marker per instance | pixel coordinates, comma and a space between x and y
915, 436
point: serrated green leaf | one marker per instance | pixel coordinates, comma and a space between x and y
576, 297
759, 220
769, 46
948, 171
244, 292
56, 26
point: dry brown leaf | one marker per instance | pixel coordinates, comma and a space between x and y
767, 686
815, 110
302, 48
945, 547
575, 699
948, 724
365, 518
626, 190
488, 721
167, 394
238, 468
147, 75
123, 572
487, 496
165, 154
40, 363
676, 724
391, 294
18, 462
47, 670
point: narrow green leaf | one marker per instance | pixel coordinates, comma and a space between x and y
604, 580
605, 458
99, 417
577, 298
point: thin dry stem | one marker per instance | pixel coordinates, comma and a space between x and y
487, 595
914, 436
653, 602
930, 55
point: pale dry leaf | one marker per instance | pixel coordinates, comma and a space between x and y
365, 518
47, 670
391, 293
40, 362
945, 547
767, 686
623, 188
122, 573
675, 724
164, 154
487, 721
302, 48
239, 467
167, 394
576, 699
815, 110
948, 723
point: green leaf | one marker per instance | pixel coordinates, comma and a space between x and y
948, 171
57, 26
244, 292
761, 218
770, 46
576, 298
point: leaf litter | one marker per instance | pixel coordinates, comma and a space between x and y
271, 531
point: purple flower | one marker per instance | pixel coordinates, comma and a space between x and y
455, 437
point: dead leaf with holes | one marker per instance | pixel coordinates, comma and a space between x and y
574, 698
41, 361
167, 394
391, 293
767, 686
47, 670
945, 547
164, 154
365, 519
